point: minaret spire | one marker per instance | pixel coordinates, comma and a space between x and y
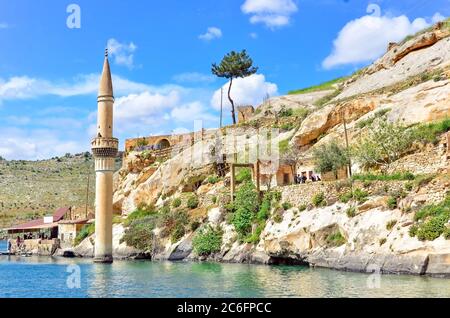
106, 88
104, 148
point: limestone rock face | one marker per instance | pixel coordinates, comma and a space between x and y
384, 72
330, 116
120, 250
275, 104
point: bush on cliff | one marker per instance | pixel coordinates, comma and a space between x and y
246, 206
85, 231
142, 211
176, 203
243, 175
139, 234
435, 218
383, 144
192, 202
173, 223
330, 157
318, 199
207, 241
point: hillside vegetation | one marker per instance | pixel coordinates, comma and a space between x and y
32, 189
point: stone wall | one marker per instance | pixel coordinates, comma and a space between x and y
302, 194
430, 160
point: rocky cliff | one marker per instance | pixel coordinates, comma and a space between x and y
373, 231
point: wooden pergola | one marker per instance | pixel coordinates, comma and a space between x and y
255, 175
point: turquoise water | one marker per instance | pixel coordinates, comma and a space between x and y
49, 277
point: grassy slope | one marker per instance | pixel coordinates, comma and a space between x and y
320, 87
31, 189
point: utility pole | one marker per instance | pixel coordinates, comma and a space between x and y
347, 145
221, 105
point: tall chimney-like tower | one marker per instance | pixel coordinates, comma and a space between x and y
104, 148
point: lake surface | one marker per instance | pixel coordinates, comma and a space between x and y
58, 277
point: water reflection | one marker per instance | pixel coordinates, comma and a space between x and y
47, 277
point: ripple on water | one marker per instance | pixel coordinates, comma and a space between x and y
47, 277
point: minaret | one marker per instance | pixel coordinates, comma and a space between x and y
104, 149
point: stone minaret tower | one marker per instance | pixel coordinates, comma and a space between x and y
104, 148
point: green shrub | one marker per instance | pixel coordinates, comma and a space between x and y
447, 233
177, 233
276, 195
207, 241
433, 210
360, 195
285, 112
278, 217
214, 199
346, 197
382, 241
264, 210
335, 239
255, 237
86, 231
212, 179
392, 202
247, 203
242, 221
390, 225
413, 230
318, 199
142, 211
287, 126
139, 234
302, 207
176, 203
382, 144
351, 212
286, 206
409, 186
424, 180
399, 176
283, 146
243, 175
433, 228
330, 157
369, 121
192, 202
429, 133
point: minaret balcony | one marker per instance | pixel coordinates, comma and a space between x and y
105, 147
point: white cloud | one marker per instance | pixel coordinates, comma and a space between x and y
123, 53
437, 17
194, 77
144, 105
36, 144
211, 34
24, 87
365, 39
192, 111
253, 35
272, 13
246, 91
4, 25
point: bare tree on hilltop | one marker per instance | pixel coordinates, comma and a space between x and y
234, 65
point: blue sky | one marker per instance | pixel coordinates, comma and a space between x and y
161, 54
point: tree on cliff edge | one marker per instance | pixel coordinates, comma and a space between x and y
234, 65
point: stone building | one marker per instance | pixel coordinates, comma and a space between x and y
281, 174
